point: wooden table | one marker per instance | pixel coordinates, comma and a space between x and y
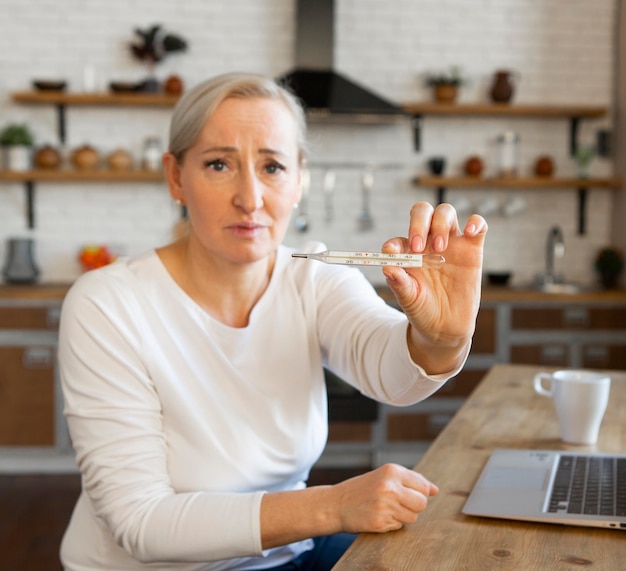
503, 412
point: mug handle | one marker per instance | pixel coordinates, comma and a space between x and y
538, 382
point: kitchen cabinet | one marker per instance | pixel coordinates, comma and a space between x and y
575, 113
27, 396
61, 100
30, 398
562, 330
569, 335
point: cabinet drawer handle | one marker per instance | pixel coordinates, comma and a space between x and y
576, 317
437, 422
53, 317
597, 353
37, 358
552, 354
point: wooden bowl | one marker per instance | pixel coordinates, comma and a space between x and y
49, 85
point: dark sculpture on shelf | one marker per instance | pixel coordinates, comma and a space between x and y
152, 46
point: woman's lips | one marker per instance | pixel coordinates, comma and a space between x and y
247, 229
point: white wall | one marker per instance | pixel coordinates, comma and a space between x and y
563, 49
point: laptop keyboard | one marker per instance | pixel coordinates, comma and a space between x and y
589, 485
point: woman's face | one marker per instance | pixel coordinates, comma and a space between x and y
241, 179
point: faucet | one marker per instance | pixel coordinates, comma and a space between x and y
555, 249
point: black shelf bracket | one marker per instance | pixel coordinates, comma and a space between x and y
61, 123
441, 194
417, 132
29, 185
574, 123
582, 210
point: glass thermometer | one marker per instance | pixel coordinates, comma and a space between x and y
428, 261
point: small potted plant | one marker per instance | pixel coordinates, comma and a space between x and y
17, 142
609, 264
446, 84
583, 156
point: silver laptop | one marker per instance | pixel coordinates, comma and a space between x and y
571, 488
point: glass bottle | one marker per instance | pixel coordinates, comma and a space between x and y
152, 152
508, 151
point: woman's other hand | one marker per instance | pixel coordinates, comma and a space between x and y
378, 501
382, 500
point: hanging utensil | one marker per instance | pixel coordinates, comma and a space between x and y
302, 221
328, 187
366, 222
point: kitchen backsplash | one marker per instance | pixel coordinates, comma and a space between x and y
563, 51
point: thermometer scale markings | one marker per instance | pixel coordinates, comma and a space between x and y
429, 261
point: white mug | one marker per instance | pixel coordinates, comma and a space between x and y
580, 398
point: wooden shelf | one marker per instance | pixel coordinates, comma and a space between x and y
60, 100
574, 113
505, 110
29, 178
95, 99
516, 182
74, 175
582, 185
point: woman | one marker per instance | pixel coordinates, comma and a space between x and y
193, 374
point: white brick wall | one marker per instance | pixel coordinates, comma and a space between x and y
563, 50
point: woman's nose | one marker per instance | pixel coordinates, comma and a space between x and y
249, 195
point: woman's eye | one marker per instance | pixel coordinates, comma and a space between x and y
273, 168
217, 165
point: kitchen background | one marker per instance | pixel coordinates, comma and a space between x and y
563, 51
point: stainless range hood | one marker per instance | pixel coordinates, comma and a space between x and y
325, 93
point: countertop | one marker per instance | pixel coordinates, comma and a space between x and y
35, 291
503, 412
489, 294
513, 294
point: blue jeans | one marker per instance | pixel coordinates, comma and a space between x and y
326, 552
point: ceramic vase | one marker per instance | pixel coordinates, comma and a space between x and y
503, 87
20, 267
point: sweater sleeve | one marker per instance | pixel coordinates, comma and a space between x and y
115, 421
365, 341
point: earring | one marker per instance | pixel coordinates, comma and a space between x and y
179, 202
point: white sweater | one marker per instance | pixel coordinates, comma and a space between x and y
181, 423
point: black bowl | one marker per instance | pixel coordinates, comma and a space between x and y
47, 85
498, 278
122, 87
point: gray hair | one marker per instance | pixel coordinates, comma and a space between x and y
197, 105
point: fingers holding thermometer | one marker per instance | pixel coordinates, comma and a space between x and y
432, 229
433, 300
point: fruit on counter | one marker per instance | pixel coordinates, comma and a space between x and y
94, 256
85, 158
